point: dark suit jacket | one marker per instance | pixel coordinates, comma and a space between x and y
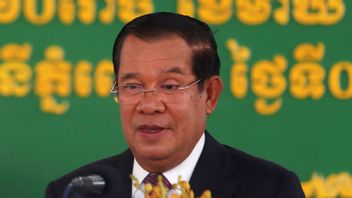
225, 171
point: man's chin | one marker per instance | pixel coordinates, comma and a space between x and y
153, 154
155, 162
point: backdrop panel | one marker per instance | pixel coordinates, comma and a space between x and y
286, 65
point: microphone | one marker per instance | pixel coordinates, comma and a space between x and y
98, 181
89, 184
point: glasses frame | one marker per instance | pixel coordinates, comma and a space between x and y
114, 89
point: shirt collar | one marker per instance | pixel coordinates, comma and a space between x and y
185, 169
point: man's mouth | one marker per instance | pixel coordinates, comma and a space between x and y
150, 129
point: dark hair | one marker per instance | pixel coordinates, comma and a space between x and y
197, 34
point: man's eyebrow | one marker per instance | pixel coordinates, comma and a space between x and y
176, 70
129, 76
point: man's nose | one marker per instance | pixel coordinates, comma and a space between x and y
150, 103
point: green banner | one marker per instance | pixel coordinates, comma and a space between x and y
286, 66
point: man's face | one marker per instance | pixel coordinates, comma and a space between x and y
161, 134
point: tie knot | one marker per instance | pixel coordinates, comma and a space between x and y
153, 179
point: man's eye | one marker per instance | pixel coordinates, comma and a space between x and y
170, 87
132, 87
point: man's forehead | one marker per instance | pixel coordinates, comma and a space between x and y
168, 70
154, 57
160, 49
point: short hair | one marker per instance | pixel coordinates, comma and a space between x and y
197, 34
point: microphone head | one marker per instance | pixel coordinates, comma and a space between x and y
97, 181
91, 184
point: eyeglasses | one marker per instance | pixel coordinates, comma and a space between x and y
132, 93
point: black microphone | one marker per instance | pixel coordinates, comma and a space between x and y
98, 181
89, 184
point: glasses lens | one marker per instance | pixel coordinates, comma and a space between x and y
132, 94
160, 96
129, 99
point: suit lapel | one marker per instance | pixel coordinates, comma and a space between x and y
124, 163
216, 171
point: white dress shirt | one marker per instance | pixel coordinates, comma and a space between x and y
184, 169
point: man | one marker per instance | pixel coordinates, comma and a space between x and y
167, 82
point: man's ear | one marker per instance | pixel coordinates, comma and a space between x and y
213, 88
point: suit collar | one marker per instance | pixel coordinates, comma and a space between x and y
124, 164
215, 170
